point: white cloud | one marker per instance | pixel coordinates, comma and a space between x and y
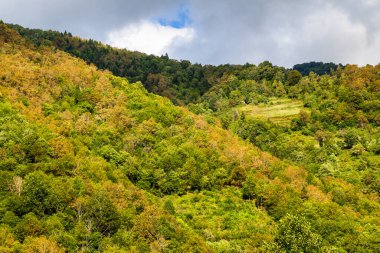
223, 31
150, 38
329, 35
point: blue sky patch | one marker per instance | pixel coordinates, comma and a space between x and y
182, 19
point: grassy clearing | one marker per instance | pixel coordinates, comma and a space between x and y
280, 111
226, 221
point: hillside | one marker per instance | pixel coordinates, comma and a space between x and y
327, 124
93, 163
64, 160
180, 81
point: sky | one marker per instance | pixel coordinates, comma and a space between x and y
217, 31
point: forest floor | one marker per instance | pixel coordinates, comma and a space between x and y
280, 111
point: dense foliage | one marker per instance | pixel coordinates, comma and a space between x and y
319, 68
180, 81
90, 162
336, 132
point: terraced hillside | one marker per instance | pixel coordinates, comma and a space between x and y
278, 110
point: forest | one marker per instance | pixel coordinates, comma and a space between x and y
108, 150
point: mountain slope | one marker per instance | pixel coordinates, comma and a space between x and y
90, 162
90, 133
180, 81
57, 191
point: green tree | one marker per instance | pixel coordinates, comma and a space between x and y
38, 195
102, 213
294, 77
30, 225
295, 235
169, 207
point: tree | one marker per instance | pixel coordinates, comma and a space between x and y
38, 195
30, 225
249, 189
279, 88
350, 139
294, 77
169, 207
304, 117
7, 240
41, 245
295, 235
102, 213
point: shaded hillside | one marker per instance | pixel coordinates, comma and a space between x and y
319, 68
93, 163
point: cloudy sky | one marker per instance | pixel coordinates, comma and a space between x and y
217, 31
